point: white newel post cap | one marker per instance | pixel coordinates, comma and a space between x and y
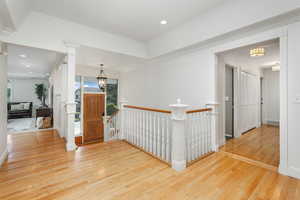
123, 102
214, 105
178, 110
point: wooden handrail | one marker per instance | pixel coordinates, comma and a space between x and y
199, 110
148, 109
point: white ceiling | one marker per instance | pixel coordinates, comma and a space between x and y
115, 62
41, 62
138, 19
240, 57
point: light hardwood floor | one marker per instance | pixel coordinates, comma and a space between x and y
260, 144
39, 168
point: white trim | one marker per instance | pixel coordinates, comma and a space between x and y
290, 171
268, 35
3, 156
283, 103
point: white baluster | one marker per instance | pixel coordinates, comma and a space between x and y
214, 119
148, 130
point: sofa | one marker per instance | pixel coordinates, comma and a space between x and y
17, 110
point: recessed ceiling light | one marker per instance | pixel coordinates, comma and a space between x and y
30, 72
163, 22
23, 56
27, 65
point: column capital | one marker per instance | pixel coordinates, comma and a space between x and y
179, 110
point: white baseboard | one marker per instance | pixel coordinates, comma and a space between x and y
294, 172
3, 156
289, 171
282, 169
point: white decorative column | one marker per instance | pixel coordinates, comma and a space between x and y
70, 106
178, 135
122, 103
3, 103
214, 125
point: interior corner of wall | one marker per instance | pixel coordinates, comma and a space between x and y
3, 156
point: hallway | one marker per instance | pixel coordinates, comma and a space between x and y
260, 144
38, 167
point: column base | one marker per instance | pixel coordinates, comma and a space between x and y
179, 165
71, 146
215, 148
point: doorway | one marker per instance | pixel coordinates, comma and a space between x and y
30, 89
229, 102
251, 101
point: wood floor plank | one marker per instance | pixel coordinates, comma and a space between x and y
38, 167
260, 144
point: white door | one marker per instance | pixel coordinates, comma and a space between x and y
249, 92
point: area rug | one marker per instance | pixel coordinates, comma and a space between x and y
21, 125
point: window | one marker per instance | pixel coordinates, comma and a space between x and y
112, 96
78, 105
78, 97
91, 85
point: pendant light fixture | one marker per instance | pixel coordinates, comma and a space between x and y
102, 79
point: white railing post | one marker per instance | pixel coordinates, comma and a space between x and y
122, 103
214, 125
178, 136
106, 128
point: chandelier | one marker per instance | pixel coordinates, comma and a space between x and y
257, 52
102, 79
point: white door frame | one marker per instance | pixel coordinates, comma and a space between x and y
282, 34
236, 71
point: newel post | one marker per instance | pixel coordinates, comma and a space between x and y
122, 103
178, 135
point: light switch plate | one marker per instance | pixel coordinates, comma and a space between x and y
297, 100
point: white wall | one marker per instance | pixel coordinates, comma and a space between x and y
88, 71
271, 96
189, 77
192, 77
293, 103
23, 90
58, 81
3, 107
